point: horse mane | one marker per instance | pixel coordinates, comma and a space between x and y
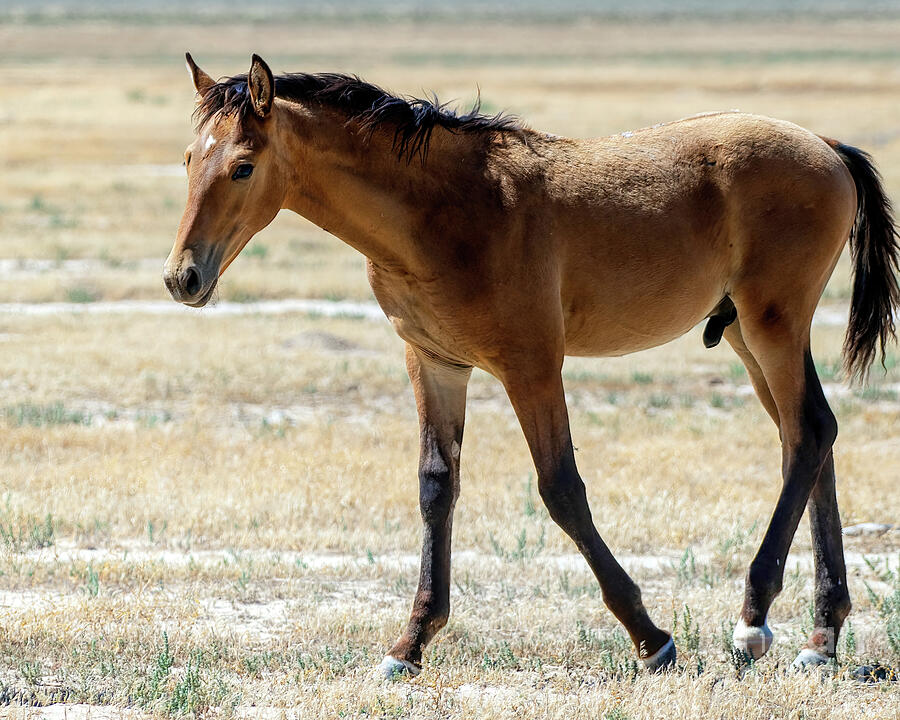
413, 119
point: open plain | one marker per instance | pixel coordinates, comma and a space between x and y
215, 512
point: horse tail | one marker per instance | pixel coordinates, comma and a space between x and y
875, 254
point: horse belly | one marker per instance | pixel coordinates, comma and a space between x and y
628, 314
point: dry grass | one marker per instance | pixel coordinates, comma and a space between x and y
217, 515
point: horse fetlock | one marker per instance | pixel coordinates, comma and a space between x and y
753, 641
763, 584
842, 609
430, 613
838, 603
435, 621
823, 640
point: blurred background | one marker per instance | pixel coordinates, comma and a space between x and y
96, 106
242, 478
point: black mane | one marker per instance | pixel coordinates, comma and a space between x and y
413, 119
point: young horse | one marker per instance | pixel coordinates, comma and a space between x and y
494, 246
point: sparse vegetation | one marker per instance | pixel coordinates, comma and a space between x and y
20, 532
887, 602
80, 295
44, 415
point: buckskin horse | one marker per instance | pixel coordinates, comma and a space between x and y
492, 245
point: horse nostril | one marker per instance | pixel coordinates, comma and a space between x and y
191, 282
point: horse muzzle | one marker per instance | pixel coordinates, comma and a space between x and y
189, 283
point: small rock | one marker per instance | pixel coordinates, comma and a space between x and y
868, 528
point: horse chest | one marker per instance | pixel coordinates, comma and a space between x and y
418, 319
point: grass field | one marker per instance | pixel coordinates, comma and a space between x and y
215, 512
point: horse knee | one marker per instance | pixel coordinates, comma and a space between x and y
563, 493
552, 488
438, 489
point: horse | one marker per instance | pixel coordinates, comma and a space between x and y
492, 245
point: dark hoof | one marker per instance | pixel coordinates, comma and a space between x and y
663, 659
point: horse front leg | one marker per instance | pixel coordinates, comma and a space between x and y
440, 391
540, 405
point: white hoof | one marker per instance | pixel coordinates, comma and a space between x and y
754, 642
662, 659
393, 669
807, 659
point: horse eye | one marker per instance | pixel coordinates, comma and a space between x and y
243, 171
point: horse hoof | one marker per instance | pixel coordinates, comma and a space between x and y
393, 669
754, 642
662, 659
807, 659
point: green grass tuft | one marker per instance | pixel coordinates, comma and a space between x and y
44, 415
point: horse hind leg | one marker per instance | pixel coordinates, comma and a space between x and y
732, 334
752, 642
832, 599
781, 369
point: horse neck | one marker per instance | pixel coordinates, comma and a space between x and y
352, 184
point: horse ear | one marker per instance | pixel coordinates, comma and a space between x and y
202, 81
262, 86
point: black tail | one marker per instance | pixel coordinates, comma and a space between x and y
876, 264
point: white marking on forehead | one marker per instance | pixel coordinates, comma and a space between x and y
210, 141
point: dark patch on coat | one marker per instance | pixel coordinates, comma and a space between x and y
771, 315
